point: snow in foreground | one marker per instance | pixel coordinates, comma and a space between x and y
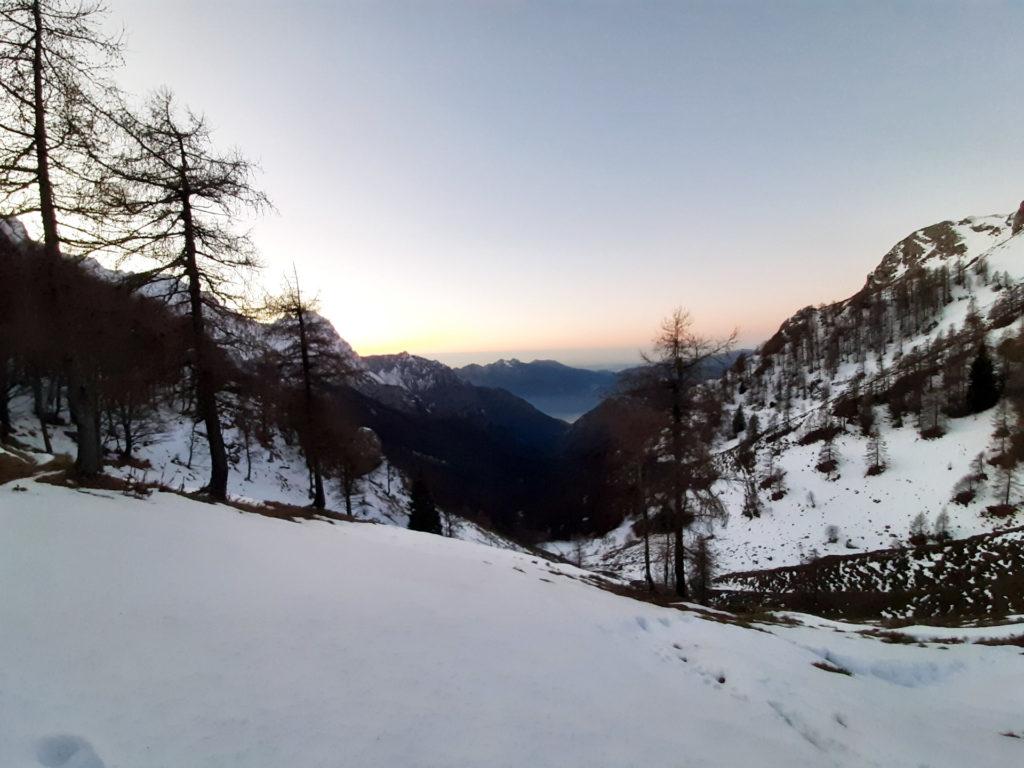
167, 632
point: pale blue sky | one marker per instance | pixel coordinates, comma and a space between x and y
510, 178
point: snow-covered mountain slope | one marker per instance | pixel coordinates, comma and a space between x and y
915, 313
174, 456
167, 632
411, 372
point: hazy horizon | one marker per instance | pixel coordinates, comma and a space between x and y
523, 177
593, 359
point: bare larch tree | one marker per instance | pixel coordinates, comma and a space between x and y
311, 357
172, 198
675, 368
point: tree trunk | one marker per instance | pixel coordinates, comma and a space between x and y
206, 386
680, 563
207, 400
5, 410
85, 405
319, 499
39, 408
664, 563
89, 459
47, 208
47, 445
248, 456
346, 487
126, 427
191, 445
641, 498
677, 480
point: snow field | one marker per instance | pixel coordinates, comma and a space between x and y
167, 632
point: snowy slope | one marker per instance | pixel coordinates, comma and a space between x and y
870, 512
167, 632
410, 372
277, 474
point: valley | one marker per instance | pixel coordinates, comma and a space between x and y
247, 521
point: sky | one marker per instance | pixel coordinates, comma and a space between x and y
475, 180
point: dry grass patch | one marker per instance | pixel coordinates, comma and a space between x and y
1017, 640
13, 467
829, 667
889, 636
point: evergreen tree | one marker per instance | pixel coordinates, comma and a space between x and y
828, 460
942, 526
983, 389
751, 500
1008, 482
931, 421
753, 428
423, 514
1002, 431
739, 421
876, 454
919, 529
702, 568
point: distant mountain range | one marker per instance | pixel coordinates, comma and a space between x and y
549, 386
483, 451
558, 390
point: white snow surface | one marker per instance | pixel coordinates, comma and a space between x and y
168, 632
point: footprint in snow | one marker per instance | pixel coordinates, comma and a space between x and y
64, 751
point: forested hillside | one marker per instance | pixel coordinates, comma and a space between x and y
885, 420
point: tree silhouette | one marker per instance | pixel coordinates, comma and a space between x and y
170, 197
310, 359
423, 514
983, 387
669, 381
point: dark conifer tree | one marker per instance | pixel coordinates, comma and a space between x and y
753, 428
423, 514
983, 389
739, 421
